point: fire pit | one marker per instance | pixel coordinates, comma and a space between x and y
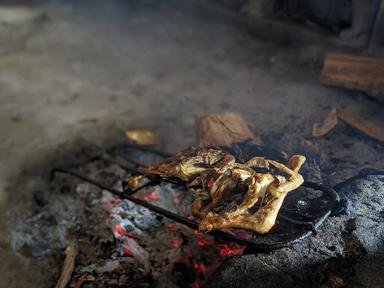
309, 208
159, 242
116, 237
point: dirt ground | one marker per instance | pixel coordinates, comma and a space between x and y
82, 73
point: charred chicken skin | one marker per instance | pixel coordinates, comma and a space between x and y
229, 194
190, 163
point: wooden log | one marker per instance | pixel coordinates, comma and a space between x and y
372, 129
225, 129
355, 72
324, 127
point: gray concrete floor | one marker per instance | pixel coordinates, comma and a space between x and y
87, 72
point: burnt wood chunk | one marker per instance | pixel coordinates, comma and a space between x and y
225, 129
355, 72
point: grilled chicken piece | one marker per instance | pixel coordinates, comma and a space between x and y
265, 194
229, 194
190, 163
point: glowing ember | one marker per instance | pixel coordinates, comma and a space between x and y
120, 231
199, 266
127, 251
203, 240
150, 249
175, 243
141, 234
231, 249
116, 201
170, 227
153, 196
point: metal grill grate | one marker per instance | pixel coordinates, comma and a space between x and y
301, 215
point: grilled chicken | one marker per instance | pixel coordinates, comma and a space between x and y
229, 194
257, 209
190, 163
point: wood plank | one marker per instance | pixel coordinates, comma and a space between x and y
355, 72
224, 129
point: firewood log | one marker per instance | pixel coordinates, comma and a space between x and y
225, 129
355, 72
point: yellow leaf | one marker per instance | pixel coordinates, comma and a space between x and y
142, 137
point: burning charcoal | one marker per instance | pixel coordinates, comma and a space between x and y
132, 248
123, 227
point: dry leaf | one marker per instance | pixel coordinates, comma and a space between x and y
368, 127
327, 125
142, 137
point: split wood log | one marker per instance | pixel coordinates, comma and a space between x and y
368, 127
324, 127
225, 129
68, 266
355, 72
